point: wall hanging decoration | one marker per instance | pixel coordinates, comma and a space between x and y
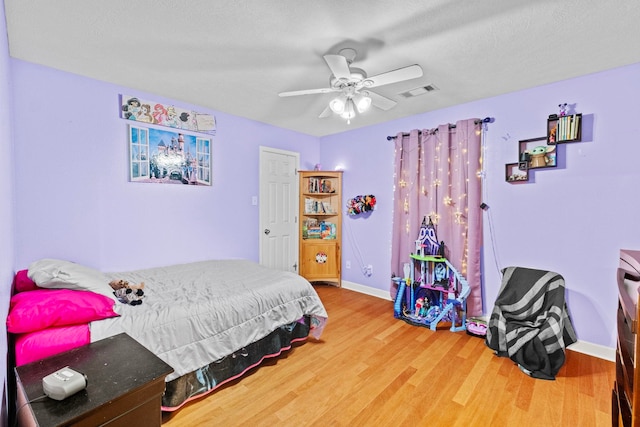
140, 110
361, 204
166, 157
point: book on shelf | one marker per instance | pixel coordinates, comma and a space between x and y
567, 127
313, 232
313, 185
310, 228
576, 126
327, 230
310, 222
320, 185
308, 205
314, 229
312, 206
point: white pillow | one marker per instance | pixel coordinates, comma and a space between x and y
59, 274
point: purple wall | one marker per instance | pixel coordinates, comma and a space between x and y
73, 197
573, 219
6, 206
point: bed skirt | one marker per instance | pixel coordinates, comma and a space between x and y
208, 378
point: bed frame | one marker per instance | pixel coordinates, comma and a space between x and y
291, 297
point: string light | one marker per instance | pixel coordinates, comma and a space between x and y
434, 151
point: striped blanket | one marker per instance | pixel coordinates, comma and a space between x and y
530, 323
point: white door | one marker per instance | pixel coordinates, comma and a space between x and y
279, 209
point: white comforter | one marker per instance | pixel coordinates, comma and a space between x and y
194, 314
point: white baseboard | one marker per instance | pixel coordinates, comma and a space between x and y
374, 292
595, 350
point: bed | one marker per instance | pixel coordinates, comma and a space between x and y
211, 321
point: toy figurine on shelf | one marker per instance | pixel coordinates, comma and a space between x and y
563, 109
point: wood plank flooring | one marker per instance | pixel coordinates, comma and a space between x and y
369, 369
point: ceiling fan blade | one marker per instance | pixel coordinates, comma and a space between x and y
339, 66
382, 102
307, 92
325, 113
401, 74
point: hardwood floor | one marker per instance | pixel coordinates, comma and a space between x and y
370, 369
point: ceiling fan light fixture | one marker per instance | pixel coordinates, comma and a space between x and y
349, 111
363, 102
338, 104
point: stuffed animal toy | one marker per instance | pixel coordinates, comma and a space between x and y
128, 296
563, 109
119, 284
126, 292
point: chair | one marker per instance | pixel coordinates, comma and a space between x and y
530, 322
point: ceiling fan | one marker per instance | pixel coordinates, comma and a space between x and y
354, 86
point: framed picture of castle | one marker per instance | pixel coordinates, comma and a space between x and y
168, 157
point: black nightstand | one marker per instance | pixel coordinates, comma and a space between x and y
124, 388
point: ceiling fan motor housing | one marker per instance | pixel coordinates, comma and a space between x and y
357, 76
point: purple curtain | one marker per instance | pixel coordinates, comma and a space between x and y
437, 175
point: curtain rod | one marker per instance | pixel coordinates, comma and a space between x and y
485, 120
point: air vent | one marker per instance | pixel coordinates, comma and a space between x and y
419, 91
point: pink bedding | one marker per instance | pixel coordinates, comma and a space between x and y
49, 321
36, 310
37, 345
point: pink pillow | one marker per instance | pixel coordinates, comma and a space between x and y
36, 310
23, 283
40, 344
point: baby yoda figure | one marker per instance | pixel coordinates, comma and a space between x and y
539, 158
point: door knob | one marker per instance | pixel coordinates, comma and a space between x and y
267, 231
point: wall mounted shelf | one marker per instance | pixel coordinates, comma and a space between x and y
563, 129
541, 153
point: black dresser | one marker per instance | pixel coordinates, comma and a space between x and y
124, 387
625, 399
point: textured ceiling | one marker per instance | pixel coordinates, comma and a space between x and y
236, 56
